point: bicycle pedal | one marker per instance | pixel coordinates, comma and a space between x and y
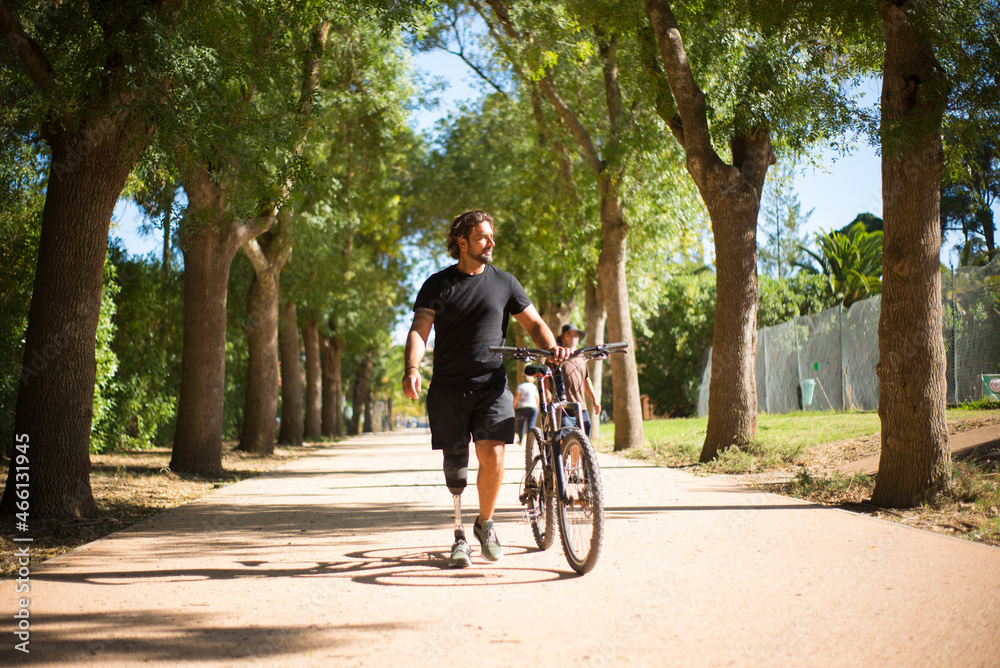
529, 514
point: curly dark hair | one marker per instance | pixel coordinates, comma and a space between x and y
462, 226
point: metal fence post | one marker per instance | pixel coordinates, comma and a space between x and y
843, 374
954, 336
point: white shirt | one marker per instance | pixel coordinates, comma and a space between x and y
527, 396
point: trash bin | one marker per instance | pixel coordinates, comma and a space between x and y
808, 387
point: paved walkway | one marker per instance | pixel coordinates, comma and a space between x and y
337, 559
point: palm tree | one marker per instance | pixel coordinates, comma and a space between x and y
851, 262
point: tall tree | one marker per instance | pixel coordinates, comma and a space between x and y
732, 195
268, 254
916, 459
969, 191
93, 105
346, 273
605, 161
779, 77
940, 69
235, 184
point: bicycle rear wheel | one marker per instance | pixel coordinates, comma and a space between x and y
537, 496
581, 519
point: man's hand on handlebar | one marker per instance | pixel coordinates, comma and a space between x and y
561, 354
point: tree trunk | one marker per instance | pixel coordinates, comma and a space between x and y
596, 316
268, 255
362, 388
732, 195
209, 243
732, 395
166, 241
627, 409
985, 218
198, 436
611, 264
314, 380
260, 413
333, 392
292, 424
54, 410
915, 463
369, 411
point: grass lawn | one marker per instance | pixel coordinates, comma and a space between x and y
678, 441
801, 454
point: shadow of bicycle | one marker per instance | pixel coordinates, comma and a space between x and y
411, 567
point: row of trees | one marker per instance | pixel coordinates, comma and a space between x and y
283, 125
611, 130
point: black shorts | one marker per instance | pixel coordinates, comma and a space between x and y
460, 415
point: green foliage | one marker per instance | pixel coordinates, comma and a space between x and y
21, 199
781, 66
969, 191
140, 400
546, 226
513, 156
851, 263
985, 404
107, 364
241, 275
871, 222
349, 268
783, 300
670, 345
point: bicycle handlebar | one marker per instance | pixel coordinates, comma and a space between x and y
598, 351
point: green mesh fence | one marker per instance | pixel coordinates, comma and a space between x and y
827, 361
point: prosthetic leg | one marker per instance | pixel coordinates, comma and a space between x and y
459, 529
456, 476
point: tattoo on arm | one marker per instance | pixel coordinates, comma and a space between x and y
423, 311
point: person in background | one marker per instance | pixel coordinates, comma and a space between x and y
525, 408
576, 377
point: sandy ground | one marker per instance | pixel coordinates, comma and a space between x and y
338, 559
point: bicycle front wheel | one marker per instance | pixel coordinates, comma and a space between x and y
581, 517
537, 497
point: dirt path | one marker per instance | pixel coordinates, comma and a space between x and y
336, 559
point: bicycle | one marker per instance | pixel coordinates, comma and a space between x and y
561, 475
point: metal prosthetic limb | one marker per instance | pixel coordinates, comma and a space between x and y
456, 475
459, 529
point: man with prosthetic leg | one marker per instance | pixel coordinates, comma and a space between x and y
468, 305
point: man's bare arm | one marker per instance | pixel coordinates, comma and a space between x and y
413, 353
540, 332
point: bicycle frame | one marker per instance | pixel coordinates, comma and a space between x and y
572, 496
552, 411
552, 428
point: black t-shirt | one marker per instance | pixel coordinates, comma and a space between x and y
470, 315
